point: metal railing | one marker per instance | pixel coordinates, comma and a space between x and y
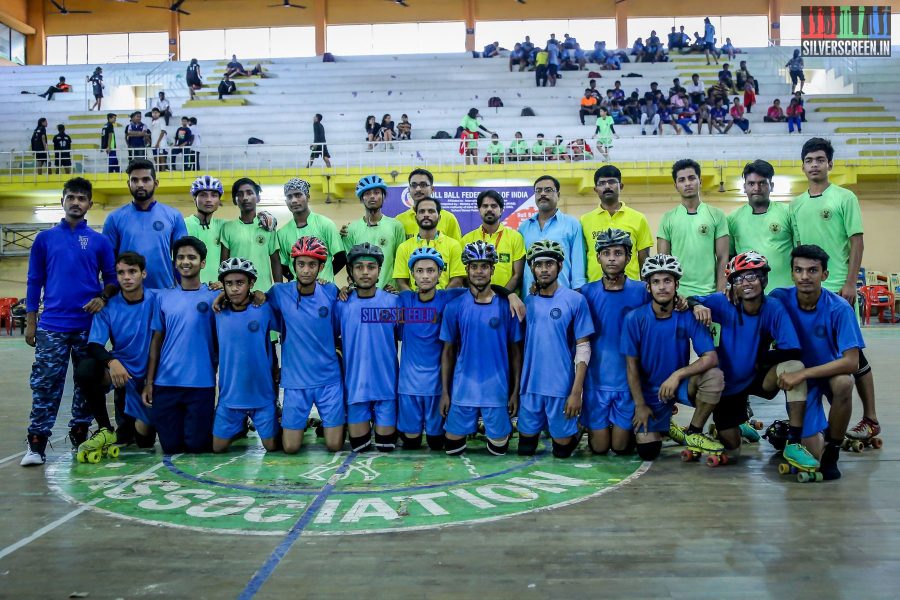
163, 75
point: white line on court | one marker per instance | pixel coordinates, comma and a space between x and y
6, 460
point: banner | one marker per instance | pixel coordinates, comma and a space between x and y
518, 203
858, 31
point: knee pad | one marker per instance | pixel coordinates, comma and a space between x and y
565, 450
649, 450
710, 386
528, 444
798, 394
435, 442
498, 447
454, 447
409, 442
361, 443
144, 441
88, 375
386, 442
628, 449
864, 366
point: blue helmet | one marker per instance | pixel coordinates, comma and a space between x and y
479, 251
426, 252
206, 183
372, 182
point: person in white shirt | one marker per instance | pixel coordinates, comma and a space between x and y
159, 140
196, 144
165, 109
695, 90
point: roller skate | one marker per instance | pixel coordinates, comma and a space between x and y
676, 433
749, 432
97, 446
863, 435
800, 463
699, 444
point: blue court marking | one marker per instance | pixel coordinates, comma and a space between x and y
167, 461
278, 554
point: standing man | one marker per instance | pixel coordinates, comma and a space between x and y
39, 146
695, 233
248, 237
764, 226
159, 140
62, 146
550, 223
146, 226
613, 214
137, 137
308, 224
374, 227
319, 148
428, 215
63, 271
207, 193
421, 185
108, 143
509, 243
828, 216
709, 40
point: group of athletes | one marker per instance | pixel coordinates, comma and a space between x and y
192, 305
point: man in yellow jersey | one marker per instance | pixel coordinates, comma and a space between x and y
428, 216
614, 214
509, 243
421, 185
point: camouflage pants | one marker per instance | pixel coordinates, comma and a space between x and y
48, 377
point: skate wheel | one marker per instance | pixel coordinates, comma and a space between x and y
857, 446
817, 476
80, 457
724, 459
877, 443
93, 457
687, 456
784, 469
803, 477
713, 461
757, 425
113, 452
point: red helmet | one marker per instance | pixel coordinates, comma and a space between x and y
751, 260
310, 246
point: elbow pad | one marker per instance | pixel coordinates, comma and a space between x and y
583, 353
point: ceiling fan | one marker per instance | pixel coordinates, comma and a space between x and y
174, 7
61, 8
129, 1
400, 3
286, 4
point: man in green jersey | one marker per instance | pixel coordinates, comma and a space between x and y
829, 216
518, 150
207, 193
495, 153
252, 235
764, 226
374, 227
309, 224
696, 233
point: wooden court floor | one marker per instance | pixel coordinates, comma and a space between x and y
415, 525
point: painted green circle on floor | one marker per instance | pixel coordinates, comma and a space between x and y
247, 491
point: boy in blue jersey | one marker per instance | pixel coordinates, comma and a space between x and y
368, 323
608, 407
247, 366
557, 353
63, 274
311, 371
124, 321
481, 363
657, 343
757, 344
830, 342
146, 226
181, 370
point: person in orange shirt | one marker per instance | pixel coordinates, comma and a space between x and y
588, 105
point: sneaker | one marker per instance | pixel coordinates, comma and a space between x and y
865, 430
676, 433
35, 454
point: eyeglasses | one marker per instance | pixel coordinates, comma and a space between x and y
423, 184
748, 277
546, 190
607, 182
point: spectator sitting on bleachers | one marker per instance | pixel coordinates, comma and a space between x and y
698, 44
638, 50
608, 99
618, 92
618, 115
539, 148
608, 61
795, 116
719, 115
676, 87
372, 128
742, 75
518, 58
675, 40
558, 151
632, 108
655, 50
799, 97
649, 114
60, 87
491, 50
165, 109
236, 69
696, 90
588, 105
717, 92
226, 87
518, 149
685, 114
529, 50
386, 131
592, 86
737, 117
704, 115
667, 118
493, 154
727, 79
540, 68
729, 49
651, 94
775, 114
404, 128
580, 150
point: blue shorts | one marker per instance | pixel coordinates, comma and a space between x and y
230, 421
463, 420
416, 411
814, 419
662, 411
382, 412
602, 408
134, 407
329, 401
537, 412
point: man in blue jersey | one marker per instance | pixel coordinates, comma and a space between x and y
368, 325
481, 363
830, 342
247, 365
124, 321
63, 273
608, 407
146, 226
181, 369
757, 344
557, 354
311, 371
657, 342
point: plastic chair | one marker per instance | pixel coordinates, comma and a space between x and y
877, 296
6, 316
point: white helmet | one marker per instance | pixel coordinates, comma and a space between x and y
661, 263
237, 265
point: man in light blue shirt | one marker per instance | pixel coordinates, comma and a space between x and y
550, 223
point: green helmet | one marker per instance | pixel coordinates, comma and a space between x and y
545, 249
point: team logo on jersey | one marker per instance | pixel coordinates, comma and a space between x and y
382, 242
253, 326
494, 323
504, 257
555, 313
202, 307
323, 311
261, 239
774, 227
825, 214
158, 225
703, 229
820, 331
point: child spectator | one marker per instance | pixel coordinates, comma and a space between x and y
580, 150
704, 115
386, 131
729, 49
795, 70
617, 92
592, 86
588, 105
737, 117
39, 145
743, 75
558, 151
137, 137
632, 108
775, 114
619, 117
685, 114
719, 116
649, 114
183, 138
605, 131
666, 118
494, 152
518, 149
404, 128
795, 112
726, 79
799, 97
372, 128
749, 95
96, 81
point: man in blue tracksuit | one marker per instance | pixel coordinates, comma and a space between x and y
63, 273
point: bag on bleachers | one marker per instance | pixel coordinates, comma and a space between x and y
441, 135
328, 57
633, 75
254, 140
527, 112
594, 75
495, 102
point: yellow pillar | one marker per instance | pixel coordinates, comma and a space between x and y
621, 24
36, 45
470, 24
775, 22
175, 36
320, 17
